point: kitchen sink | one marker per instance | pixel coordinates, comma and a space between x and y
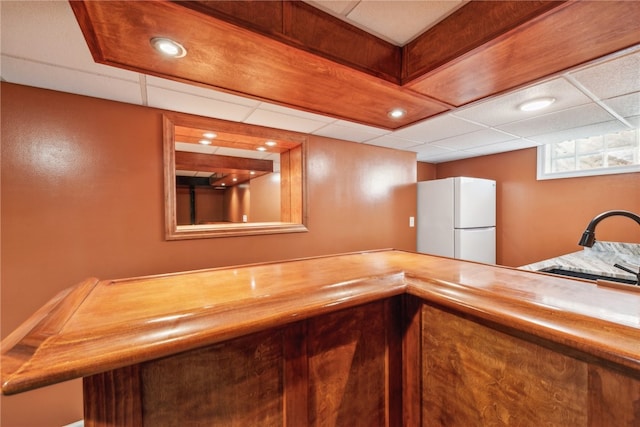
588, 276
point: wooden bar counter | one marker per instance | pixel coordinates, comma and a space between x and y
384, 338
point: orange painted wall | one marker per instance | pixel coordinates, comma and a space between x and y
82, 195
537, 220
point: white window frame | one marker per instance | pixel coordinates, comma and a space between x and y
543, 153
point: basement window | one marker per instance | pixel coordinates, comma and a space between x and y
597, 155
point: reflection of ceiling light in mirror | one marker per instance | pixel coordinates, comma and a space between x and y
210, 135
168, 47
536, 104
397, 113
261, 149
271, 143
204, 142
235, 179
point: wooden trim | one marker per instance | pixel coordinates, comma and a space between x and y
474, 25
113, 398
312, 30
293, 215
296, 376
212, 162
412, 367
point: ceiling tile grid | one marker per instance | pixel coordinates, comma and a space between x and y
42, 46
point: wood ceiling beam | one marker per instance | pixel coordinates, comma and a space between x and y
562, 39
468, 28
222, 164
312, 30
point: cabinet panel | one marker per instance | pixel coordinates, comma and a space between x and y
348, 370
235, 383
476, 376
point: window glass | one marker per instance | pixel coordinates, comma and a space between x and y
598, 155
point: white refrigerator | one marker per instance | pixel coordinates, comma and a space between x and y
457, 218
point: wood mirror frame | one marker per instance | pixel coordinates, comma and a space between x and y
292, 179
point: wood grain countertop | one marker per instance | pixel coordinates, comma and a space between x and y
100, 325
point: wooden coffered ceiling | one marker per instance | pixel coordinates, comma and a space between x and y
290, 53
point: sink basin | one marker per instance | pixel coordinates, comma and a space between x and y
587, 276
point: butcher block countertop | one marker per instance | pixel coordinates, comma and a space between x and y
101, 325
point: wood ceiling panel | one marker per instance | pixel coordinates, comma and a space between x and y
307, 28
470, 27
562, 39
290, 54
233, 59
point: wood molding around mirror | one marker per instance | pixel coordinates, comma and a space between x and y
225, 168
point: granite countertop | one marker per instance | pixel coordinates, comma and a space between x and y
598, 260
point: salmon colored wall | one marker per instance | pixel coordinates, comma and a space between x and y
537, 220
82, 196
426, 171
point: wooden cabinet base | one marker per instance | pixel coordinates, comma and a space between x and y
389, 363
343, 368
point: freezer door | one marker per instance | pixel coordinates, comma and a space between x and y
476, 244
475, 202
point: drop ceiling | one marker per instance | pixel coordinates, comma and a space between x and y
42, 46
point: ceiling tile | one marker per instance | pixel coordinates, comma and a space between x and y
504, 109
249, 154
156, 82
625, 105
391, 141
47, 32
501, 147
634, 121
349, 131
395, 21
72, 81
334, 7
196, 148
194, 104
283, 121
297, 113
437, 128
558, 121
612, 78
444, 157
585, 131
474, 139
430, 150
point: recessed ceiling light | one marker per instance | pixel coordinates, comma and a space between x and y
261, 149
397, 113
271, 143
168, 47
536, 104
210, 135
205, 141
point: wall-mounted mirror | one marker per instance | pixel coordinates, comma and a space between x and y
231, 179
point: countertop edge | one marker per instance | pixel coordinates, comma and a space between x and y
502, 295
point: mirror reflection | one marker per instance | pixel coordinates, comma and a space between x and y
226, 178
